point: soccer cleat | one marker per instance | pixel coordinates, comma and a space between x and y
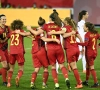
33, 86
44, 86
85, 83
79, 86
4, 84
8, 85
17, 81
68, 83
96, 85
57, 86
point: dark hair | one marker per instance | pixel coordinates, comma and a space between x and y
71, 22
91, 27
54, 16
80, 16
41, 21
1, 15
17, 24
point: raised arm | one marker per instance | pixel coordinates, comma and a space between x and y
23, 33
68, 34
39, 31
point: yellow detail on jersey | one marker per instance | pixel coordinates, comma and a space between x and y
15, 39
4, 35
53, 36
72, 39
94, 42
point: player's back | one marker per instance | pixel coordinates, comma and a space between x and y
92, 42
16, 43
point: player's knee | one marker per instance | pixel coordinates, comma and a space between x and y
45, 69
36, 70
61, 65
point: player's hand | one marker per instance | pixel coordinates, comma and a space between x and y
17, 31
58, 41
39, 28
29, 28
50, 33
73, 32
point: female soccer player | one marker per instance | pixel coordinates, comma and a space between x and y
83, 15
4, 57
54, 50
90, 44
38, 52
16, 52
71, 47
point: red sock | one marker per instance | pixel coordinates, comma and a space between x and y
34, 75
93, 73
87, 74
54, 75
20, 73
77, 76
64, 71
4, 74
10, 73
45, 77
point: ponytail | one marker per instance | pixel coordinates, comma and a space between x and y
71, 22
41, 21
54, 16
80, 16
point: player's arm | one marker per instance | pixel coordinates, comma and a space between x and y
23, 33
86, 41
50, 40
65, 35
38, 32
79, 37
62, 31
2, 41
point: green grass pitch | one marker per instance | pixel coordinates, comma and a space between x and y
28, 69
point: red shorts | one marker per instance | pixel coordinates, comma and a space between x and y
40, 59
72, 55
55, 54
4, 56
17, 57
90, 59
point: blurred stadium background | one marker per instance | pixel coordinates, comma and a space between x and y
29, 11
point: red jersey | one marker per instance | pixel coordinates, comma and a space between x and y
16, 43
37, 43
4, 33
70, 42
52, 27
90, 42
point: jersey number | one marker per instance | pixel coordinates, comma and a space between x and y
94, 41
53, 36
4, 35
14, 39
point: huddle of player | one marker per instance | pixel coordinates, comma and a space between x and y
45, 55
